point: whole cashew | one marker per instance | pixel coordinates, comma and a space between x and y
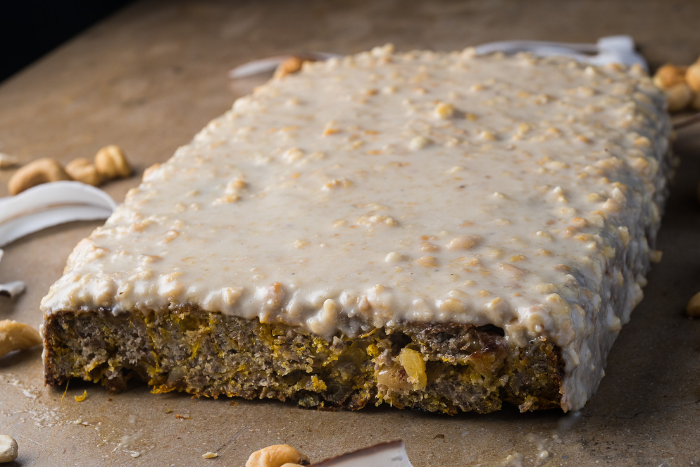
17, 336
668, 75
276, 456
678, 97
692, 309
111, 162
692, 77
82, 170
35, 173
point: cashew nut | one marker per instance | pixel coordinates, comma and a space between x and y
111, 162
692, 77
668, 75
692, 309
678, 97
35, 173
17, 336
276, 456
8, 449
82, 170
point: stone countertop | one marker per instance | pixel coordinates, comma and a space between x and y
154, 74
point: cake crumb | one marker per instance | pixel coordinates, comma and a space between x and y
81, 397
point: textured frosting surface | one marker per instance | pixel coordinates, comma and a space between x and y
426, 187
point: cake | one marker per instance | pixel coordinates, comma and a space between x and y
441, 231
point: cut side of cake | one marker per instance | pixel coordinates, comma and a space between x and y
441, 231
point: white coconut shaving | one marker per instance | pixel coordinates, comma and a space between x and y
11, 289
45, 206
270, 64
51, 204
391, 454
612, 49
7, 161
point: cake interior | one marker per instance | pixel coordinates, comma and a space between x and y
435, 367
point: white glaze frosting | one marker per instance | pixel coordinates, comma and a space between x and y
429, 187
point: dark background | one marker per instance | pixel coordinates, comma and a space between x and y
31, 28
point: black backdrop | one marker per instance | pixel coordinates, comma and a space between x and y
32, 28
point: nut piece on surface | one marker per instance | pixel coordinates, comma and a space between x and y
289, 66
692, 77
82, 170
655, 256
210, 455
692, 309
111, 162
678, 97
669, 75
8, 449
17, 336
276, 456
35, 173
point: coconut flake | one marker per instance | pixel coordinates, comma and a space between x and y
270, 64
391, 454
7, 161
45, 206
611, 49
51, 204
11, 289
